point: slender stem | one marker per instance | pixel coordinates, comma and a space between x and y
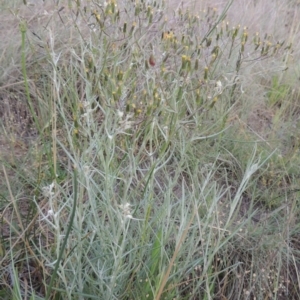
54, 274
23, 30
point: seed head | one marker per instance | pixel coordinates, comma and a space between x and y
152, 60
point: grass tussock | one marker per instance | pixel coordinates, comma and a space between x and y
150, 150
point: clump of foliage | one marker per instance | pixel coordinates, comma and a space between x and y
140, 181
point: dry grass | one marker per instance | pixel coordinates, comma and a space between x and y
205, 149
